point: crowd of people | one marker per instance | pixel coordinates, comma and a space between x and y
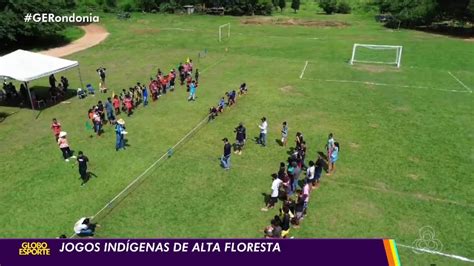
294, 191
287, 184
126, 102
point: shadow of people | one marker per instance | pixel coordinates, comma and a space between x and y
323, 155
278, 141
266, 198
291, 151
88, 177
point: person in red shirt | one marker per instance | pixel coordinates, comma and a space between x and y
116, 104
164, 83
56, 127
128, 105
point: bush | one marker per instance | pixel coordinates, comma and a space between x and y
127, 7
329, 6
343, 7
111, 3
147, 5
170, 7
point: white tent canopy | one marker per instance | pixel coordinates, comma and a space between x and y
26, 66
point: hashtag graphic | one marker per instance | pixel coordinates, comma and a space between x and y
28, 17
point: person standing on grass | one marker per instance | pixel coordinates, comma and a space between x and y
82, 161
310, 173
240, 137
102, 85
100, 109
299, 140
319, 165
116, 103
221, 105
56, 127
120, 134
145, 95
110, 111
225, 160
192, 91
52, 82
274, 196
306, 193
296, 176
330, 145
128, 104
263, 132
302, 153
299, 208
64, 146
333, 159
97, 122
284, 134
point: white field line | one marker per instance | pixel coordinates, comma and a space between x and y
383, 84
304, 69
146, 171
218, 61
452, 256
460, 82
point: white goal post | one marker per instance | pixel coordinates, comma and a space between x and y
221, 27
377, 54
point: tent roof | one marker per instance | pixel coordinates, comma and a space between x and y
24, 66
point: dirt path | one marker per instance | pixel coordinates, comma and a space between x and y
94, 34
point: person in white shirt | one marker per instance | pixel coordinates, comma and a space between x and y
310, 173
274, 196
262, 139
84, 227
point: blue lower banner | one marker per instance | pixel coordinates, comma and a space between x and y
185, 251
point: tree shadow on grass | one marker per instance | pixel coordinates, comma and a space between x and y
4, 116
43, 99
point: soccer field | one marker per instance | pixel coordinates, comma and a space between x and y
406, 136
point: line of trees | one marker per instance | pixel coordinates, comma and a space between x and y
15, 31
413, 13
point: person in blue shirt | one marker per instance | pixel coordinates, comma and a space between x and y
192, 91
110, 111
120, 134
221, 105
145, 95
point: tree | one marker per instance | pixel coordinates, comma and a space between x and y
14, 30
295, 5
329, 6
282, 4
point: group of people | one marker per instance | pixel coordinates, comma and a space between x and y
57, 90
63, 143
294, 191
287, 183
231, 100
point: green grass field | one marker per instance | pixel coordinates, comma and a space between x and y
406, 156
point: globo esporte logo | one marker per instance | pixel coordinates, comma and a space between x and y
34, 248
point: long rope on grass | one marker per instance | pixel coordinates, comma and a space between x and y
166, 154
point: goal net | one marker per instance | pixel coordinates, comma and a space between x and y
224, 30
376, 54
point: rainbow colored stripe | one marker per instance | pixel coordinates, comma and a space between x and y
392, 252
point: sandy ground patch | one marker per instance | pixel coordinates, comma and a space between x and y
94, 34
